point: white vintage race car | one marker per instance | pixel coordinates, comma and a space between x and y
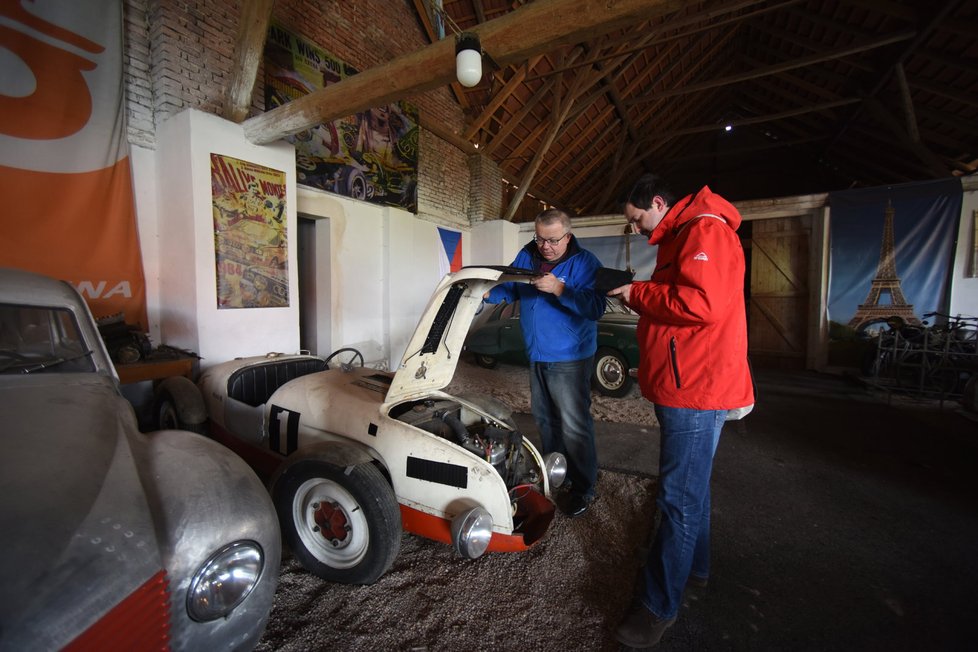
355, 455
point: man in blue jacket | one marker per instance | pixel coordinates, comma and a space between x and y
558, 314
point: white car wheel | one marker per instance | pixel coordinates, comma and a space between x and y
330, 523
611, 373
342, 523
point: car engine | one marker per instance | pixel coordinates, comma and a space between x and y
491, 436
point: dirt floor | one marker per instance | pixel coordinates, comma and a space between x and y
565, 593
842, 520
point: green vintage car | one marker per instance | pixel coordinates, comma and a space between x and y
497, 336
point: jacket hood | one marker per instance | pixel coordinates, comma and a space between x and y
704, 202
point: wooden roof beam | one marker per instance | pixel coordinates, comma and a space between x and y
249, 45
532, 29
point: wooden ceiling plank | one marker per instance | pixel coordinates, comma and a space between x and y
533, 29
943, 91
249, 45
497, 100
654, 37
778, 68
906, 102
934, 164
792, 38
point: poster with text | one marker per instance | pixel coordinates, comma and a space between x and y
371, 156
250, 239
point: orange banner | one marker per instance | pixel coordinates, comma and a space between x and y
64, 168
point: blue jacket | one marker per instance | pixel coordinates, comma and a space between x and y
557, 329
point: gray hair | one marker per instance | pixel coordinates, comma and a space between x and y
552, 215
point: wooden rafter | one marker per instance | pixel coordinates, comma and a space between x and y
249, 44
532, 29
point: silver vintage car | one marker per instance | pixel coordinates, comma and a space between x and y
114, 539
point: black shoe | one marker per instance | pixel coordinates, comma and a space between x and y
578, 505
641, 629
697, 581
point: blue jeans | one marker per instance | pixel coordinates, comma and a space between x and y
682, 543
560, 397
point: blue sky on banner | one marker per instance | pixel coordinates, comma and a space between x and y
925, 222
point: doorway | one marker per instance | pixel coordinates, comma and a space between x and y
780, 291
313, 253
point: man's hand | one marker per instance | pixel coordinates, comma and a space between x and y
549, 283
624, 292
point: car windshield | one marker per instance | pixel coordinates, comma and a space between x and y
36, 339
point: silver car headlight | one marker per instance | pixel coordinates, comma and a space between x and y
555, 464
225, 580
471, 532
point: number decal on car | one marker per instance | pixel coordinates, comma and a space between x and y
278, 418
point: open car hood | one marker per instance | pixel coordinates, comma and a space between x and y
432, 354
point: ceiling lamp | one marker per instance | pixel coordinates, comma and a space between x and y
468, 59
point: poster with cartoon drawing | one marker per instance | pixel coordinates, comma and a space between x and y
371, 156
250, 239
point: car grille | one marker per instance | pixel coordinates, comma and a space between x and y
139, 622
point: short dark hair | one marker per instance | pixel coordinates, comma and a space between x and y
552, 215
645, 188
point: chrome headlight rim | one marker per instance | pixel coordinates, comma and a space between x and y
555, 466
472, 532
225, 580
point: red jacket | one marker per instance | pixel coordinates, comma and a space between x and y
692, 330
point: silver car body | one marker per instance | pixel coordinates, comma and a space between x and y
105, 527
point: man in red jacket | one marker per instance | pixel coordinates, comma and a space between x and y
692, 334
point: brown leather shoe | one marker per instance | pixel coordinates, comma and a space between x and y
641, 628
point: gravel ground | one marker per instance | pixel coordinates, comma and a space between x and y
568, 592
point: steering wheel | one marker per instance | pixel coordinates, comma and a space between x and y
348, 362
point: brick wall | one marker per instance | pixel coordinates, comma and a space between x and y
179, 55
486, 195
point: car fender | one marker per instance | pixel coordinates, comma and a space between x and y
187, 398
342, 453
195, 520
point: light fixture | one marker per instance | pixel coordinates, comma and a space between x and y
468, 59
728, 128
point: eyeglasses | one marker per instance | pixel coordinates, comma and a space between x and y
553, 242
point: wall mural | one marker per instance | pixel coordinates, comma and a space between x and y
371, 156
250, 240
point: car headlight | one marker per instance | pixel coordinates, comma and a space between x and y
471, 532
225, 580
555, 464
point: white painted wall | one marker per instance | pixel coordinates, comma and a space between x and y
383, 267
188, 313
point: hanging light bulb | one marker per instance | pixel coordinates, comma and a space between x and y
468, 59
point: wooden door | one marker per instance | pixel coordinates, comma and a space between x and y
779, 291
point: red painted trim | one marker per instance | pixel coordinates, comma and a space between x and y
140, 622
440, 529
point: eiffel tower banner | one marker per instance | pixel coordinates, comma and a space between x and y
892, 251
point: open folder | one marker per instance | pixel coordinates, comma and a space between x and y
609, 278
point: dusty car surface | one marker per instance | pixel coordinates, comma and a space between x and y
115, 539
497, 335
357, 455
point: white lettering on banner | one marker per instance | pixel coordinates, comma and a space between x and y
94, 291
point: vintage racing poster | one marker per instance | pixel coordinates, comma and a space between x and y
371, 156
250, 240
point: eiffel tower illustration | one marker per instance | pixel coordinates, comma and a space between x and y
885, 281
